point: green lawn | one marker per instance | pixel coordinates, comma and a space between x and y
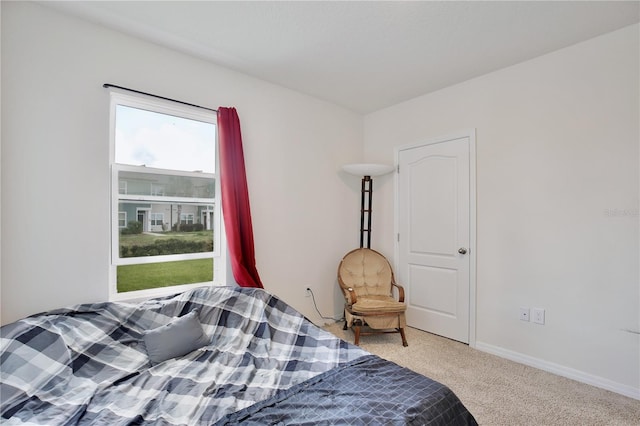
154, 275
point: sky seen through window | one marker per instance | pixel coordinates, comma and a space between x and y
163, 141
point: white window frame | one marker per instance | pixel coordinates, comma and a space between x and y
219, 255
125, 220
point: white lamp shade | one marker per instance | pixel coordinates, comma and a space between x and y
367, 169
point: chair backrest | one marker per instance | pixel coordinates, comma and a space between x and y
367, 272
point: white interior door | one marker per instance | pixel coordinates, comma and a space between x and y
434, 241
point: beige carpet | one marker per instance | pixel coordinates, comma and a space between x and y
498, 391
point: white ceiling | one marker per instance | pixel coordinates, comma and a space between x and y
363, 55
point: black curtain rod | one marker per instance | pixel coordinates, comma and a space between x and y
107, 85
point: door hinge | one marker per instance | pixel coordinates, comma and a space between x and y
398, 168
398, 237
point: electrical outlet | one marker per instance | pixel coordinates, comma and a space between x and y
307, 292
524, 314
538, 315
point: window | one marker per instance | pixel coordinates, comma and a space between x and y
186, 219
157, 189
122, 219
157, 219
165, 226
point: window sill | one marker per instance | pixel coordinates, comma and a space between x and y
134, 296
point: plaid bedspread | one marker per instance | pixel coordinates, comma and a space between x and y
88, 364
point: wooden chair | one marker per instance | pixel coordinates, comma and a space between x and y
366, 279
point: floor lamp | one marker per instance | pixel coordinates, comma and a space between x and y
367, 171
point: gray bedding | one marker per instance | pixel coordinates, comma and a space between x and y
262, 363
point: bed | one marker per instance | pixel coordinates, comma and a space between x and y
254, 360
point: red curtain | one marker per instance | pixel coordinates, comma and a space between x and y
235, 200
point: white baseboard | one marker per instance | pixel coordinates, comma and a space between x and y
560, 370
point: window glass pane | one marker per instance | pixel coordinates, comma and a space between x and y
154, 275
164, 185
163, 141
160, 229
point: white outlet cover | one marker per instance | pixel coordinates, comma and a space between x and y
524, 314
538, 315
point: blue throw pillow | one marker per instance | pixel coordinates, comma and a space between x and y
177, 338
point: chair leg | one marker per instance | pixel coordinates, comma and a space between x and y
404, 338
356, 330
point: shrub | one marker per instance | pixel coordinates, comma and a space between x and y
188, 227
167, 246
133, 227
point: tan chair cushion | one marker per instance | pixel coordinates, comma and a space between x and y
377, 305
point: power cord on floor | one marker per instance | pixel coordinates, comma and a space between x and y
318, 311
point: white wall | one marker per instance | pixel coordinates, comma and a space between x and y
557, 182
55, 162
557, 203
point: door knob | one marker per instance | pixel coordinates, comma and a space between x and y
462, 250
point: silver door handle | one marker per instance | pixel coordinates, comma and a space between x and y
462, 250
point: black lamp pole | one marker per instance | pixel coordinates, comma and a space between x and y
365, 210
